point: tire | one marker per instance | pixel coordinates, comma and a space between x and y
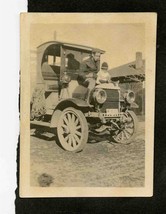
72, 130
126, 135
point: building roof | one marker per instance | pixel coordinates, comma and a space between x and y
128, 72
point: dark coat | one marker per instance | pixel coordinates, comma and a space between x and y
88, 66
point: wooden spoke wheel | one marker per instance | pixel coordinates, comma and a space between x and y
129, 128
72, 130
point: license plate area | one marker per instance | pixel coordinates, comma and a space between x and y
112, 111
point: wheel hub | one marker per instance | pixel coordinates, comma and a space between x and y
72, 130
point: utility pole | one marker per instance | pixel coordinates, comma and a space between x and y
55, 35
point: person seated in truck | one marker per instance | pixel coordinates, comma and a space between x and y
88, 72
103, 75
72, 63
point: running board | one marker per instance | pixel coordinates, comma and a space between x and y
40, 123
43, 126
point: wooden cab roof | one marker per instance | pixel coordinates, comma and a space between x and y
70, 46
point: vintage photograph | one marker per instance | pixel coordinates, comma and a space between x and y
87, 104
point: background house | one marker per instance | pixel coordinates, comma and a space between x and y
132, 76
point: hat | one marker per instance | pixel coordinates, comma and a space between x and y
104, 66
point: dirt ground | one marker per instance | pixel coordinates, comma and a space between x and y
100, 164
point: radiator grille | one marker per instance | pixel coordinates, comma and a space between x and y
112, 101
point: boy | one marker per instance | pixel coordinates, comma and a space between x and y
103, 76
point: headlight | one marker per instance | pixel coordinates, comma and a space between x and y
100, 96
130, 96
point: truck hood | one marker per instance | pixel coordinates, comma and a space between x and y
107, 86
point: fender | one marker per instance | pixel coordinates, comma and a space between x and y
55, 117
132, 105
75, 101
71, 102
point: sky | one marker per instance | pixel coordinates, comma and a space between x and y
120, 41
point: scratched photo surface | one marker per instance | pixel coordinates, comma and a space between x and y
87, 104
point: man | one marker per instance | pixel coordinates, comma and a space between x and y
88, 72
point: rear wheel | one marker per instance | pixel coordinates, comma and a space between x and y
72, 130
129, 128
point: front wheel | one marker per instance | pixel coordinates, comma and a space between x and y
129, 128
72, 130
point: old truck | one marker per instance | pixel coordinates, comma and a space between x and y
58, 102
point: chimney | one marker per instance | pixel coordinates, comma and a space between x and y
139, 61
